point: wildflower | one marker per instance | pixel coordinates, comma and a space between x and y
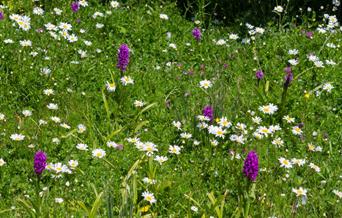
185, 135
48, 92
293, 52
251, 166
289, 119
299, 192
17, 137
52, 106
82, 147
174, 149
208, 111
126, 80
114, 4
55, 119
2, 162
177, 124
111, 87
73, 164
327, 87
38, 11
75, 6
163, 17
123, 57
296, 130
59, 200
98, 153
194, 209
2, 16
139, 103
196, 33
311, 147
220, 42
309, 35
160, 159
205, 84
148, 196
268, 109
233, 36
285, 163
315, 167
259, 74
278, 9
278, 142
81, 128
149, 148
27, 113
223, 122
25, 43
288, 77
337, 193
39, 162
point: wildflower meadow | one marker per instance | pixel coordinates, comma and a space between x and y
132, 109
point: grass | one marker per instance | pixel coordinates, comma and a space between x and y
208, 174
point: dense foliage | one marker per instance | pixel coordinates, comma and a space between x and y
128, 110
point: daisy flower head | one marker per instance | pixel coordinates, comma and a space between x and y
327, 87
17, 137
111, 87
163, 17
148, 196
285, 163
174, 149
138, 103
205, 84
299, 192
278, 9
2, 162
160, 159
98, 153
114, 4
81, 128
82, 147
126, 80
296, 130
268, 109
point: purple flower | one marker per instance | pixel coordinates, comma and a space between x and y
196, 33
2, 16
75, 6
251, 166
259, 74
309, 35
208, 111
123, 57
39, 162
288, 77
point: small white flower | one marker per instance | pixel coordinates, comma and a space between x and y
194, 209
27, 113
111, 87
52, 106
138, 103
59, 200
98, 153
17, 137
327, 87
163, 17
114, 4
148, 196
278, 9
2, 162
174, 149
81, 128
82, 147
205, 84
